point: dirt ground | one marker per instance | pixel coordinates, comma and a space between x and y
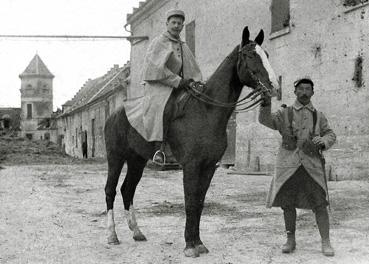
55, 213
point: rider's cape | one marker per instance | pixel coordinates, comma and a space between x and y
160, 74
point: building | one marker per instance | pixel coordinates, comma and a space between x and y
83, 117
326, 40
37, 101
9, 120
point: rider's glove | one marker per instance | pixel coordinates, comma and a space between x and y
184, 83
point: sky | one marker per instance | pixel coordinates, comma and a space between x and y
72, 62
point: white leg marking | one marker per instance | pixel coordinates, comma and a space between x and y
132, 224
112, 235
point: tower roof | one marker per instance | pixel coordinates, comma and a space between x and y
36, 68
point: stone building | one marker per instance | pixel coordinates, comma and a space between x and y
37, 101
83, 117
9, 120
325, 40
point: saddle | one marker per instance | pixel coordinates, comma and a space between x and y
178, 101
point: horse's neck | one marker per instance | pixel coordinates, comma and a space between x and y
224, 86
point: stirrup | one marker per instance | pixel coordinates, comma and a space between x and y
158, 152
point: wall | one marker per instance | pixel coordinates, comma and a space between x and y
82, 121
323, 41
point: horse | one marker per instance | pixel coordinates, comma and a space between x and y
198, 139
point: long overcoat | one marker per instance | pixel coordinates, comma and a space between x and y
164, 60
288, 161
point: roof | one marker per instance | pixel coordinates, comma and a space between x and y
96, 88
142, 8
36, 68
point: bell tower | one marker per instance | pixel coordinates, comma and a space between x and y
36, 99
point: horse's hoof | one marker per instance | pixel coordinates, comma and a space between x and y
139, 237
202, 249
113, 240
191, 252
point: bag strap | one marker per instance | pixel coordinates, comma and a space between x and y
181, 70
290, 118
315, 118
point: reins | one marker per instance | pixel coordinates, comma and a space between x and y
195, 90
248, 102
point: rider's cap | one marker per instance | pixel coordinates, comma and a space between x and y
303, 80
175, 12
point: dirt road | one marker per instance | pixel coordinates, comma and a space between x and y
56, 214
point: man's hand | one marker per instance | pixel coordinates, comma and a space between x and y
318, 141
267, 99
184, 83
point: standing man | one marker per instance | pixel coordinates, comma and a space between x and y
300, 180
169, 65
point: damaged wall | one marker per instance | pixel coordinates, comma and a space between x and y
328, 42
322, 39
87, 120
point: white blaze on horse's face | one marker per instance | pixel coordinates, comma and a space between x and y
268, 68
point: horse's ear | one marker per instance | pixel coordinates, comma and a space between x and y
245, 36
260, 38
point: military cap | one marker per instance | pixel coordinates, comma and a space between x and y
175, 12
303, 80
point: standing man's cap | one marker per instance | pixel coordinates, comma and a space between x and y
175, 12
303, 80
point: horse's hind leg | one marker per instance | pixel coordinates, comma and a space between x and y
114, 170
136, 165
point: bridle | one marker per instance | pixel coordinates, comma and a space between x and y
248, 102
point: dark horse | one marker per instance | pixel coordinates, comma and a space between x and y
198, 140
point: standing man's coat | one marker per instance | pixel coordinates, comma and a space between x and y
288, 161
161, 74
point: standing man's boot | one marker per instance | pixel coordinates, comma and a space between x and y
322, 220
290, 245
289, 214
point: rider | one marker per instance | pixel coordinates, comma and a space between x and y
169, 64
300, 180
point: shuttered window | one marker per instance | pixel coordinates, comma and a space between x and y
190, 36
29, 111
354, 2
280, 10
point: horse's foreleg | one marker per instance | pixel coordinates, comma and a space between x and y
114, 169
136, 165
112, 235
206, 176
191, 191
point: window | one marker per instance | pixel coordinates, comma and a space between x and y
190, 36
349, 3
29, 136
107, 109
280, 10
29, 111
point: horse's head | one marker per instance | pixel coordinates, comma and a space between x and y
253, 66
